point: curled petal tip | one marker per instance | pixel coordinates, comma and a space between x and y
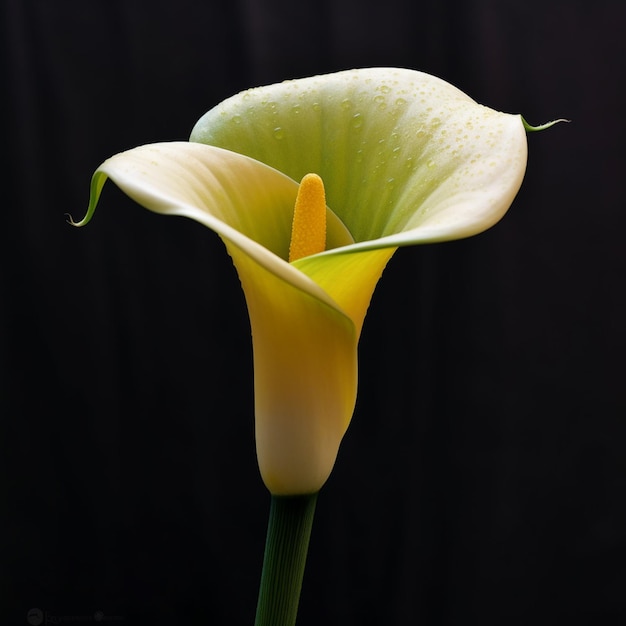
97, 182
533, 129
70, 220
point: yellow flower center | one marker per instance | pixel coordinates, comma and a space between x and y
308, 231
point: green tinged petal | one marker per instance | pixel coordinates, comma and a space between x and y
405, 157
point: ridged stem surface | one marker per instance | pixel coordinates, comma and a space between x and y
287, 543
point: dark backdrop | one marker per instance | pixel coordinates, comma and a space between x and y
482, 479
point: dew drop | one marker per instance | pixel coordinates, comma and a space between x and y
381, 102
279, 133
357, 120
235, 119
346, 104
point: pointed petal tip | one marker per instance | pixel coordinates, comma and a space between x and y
97, 182
533, 129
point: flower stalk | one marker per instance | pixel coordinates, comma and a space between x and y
286, 547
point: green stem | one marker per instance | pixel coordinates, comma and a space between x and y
288, 534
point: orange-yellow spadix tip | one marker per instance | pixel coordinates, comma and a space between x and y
308, 231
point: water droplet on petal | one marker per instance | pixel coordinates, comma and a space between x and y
357, 120
279, 133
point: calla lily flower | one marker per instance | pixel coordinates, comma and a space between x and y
405, 158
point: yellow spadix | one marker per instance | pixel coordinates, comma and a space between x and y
308, 230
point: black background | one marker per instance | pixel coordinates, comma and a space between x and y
483, 477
